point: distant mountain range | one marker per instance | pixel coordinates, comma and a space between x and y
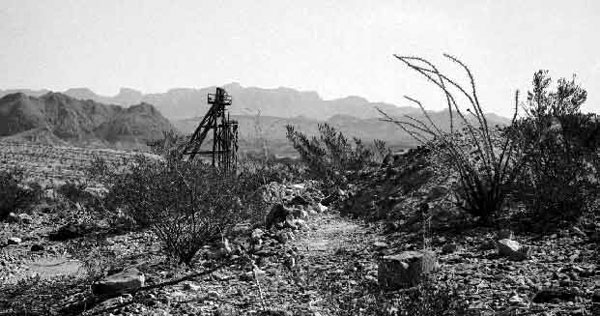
57, 118
130, 117
183, 103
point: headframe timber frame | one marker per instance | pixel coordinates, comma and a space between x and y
224, 133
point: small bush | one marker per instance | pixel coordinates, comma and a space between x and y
14, 194
186, 204
561, 146
332, 158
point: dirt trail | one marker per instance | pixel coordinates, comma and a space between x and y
330, 233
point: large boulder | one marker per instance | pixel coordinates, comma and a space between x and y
406, 269
120, 283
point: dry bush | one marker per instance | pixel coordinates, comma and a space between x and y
186, 204
486, 163
334, 159
561, 146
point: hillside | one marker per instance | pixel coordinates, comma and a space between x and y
56, 117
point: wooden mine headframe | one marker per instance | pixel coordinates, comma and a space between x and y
224, 133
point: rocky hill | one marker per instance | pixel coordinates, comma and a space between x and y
55, 117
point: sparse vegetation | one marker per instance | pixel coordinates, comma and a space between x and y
486, 163
15, 194
332, 158
561, 146
115, 208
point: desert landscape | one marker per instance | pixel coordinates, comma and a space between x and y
275, 200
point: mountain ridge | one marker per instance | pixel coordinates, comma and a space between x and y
284, 102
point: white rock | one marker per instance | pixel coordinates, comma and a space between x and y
12, 217
257, 234
380, 245
25, 218
322, 208
14, 240
191, 287
512, 249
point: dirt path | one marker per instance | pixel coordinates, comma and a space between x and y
330, 235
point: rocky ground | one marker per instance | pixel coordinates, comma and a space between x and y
317, 264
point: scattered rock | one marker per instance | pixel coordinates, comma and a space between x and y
596, 296
380, 245
555, 295
504, 234
25, 218
301, 224
283, 236
449, 248
436, 193
37, 247
517, 300
321, 208
512, 249
405, 269
213, 295
12, 218
300, 214
274, 313
191, 287
14, 240
66, 232
257, 235
120, 283
329, 199
488, 244
578, 232
299, 200
277, 215
255, 273
291, 223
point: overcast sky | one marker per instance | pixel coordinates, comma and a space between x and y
337, 48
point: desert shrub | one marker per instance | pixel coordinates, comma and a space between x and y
15, 194
75, 192
561, 146
486, 162
331, 157
186, 204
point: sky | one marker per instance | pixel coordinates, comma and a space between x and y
336, 48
